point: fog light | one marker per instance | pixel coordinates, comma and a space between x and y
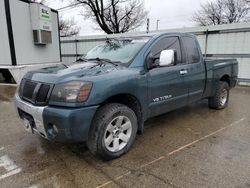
52, 130
55, 129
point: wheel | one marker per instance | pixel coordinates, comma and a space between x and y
221, 97
113, 131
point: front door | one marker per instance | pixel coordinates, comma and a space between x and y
167, 89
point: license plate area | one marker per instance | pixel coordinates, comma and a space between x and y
28, 120
34, 115
28, 125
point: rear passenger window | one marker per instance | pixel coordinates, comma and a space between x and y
168, 43
193, 55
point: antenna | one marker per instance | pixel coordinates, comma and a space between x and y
147, 25
157, 24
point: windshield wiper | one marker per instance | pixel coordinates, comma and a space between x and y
104, 60
81, 60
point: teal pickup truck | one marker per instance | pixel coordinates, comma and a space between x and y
104, 98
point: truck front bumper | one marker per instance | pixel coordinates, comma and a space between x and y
56, 123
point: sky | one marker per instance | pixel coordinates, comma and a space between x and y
171, 13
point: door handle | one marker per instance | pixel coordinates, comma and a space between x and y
182, 72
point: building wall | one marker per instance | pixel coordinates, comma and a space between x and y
26, 51
223, 41
5, 58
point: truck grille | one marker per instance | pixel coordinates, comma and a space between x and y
43, 93
35, 92
28, 89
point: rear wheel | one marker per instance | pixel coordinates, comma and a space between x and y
113, 131
221, 97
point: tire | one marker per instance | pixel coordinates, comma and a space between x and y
220, 99
105, 133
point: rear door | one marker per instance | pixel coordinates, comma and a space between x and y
167, 89
195, 75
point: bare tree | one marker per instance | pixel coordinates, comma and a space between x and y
115, 16
222, 12
68, 27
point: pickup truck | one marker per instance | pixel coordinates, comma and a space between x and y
104, 98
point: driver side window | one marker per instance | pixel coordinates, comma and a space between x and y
168, 43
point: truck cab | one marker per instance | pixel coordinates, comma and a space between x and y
180, 82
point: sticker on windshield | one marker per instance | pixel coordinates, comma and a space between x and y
143, 40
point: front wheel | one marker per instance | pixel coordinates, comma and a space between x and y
221, 97
113, 131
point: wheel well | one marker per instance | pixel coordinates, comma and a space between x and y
131, 102
6, 76
225, 78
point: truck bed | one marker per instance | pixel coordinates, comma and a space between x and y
215, 69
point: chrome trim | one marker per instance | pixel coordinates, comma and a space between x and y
35, 111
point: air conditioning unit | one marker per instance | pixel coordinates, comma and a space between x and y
41, 23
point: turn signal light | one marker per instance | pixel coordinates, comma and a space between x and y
84, 93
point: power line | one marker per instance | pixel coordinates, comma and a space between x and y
75, 10
69, 6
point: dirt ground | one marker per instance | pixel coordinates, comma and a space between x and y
190, 147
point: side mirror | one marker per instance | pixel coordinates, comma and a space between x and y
151, 61
167, 57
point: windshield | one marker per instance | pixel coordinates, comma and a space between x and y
120, 51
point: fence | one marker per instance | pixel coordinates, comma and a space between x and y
222, 41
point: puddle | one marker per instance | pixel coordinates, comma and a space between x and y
7, 92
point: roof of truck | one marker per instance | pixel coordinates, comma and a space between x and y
156, 35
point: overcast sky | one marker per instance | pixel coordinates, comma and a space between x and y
171, 13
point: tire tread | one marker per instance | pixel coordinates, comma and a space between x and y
214, 102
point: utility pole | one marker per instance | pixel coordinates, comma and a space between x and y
147, 25
157, 24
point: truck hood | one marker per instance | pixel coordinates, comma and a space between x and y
78, 71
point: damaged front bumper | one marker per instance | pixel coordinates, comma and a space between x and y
56, 123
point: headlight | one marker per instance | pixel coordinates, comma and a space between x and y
74, 91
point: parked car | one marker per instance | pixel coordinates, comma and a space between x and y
105, 98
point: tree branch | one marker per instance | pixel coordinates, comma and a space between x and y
115, 16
